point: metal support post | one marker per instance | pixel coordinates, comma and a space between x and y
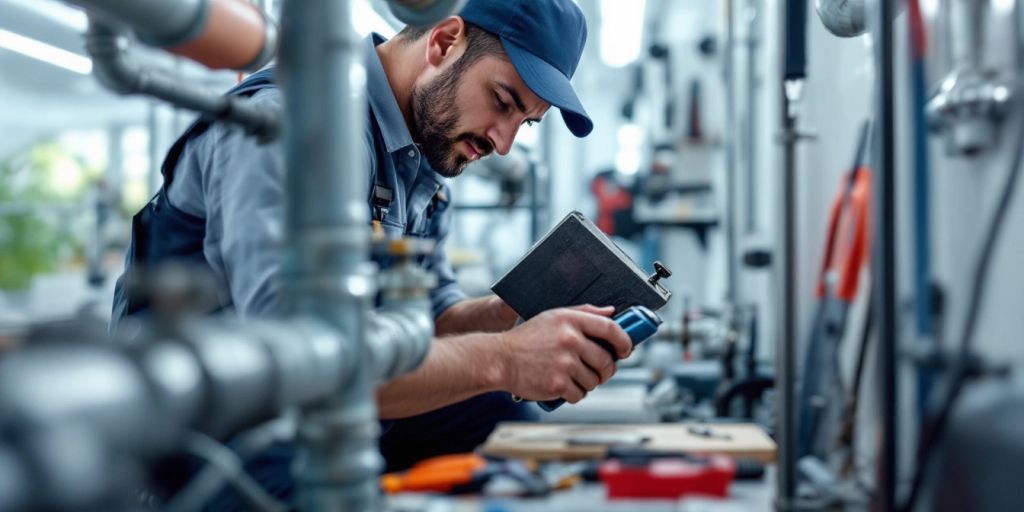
753, 43
730, 155
794, 16
883, 264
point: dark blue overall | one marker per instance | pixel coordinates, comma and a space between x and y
162, 233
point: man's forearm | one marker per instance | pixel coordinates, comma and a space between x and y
485, 314
457, 368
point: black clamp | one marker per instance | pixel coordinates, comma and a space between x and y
660, 272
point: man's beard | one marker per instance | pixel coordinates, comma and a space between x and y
435, 115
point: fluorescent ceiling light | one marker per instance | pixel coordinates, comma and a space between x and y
50, 54
622, 30
64, 14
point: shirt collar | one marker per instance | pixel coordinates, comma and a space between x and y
382, 100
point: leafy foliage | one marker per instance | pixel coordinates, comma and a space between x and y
32, 239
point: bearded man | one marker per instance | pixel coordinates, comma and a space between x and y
438, 98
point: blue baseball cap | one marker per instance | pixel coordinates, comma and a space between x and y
544, 40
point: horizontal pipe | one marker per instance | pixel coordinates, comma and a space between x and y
236, 35
398, 341
220, 34
216, 376
15, 490
117, 71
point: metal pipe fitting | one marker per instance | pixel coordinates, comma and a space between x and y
399, 339
220, 34
420, 13
106, 44
15, 482
87, 383
844, 18
971, 100
327, 275
253, 370
399, 334
78, 417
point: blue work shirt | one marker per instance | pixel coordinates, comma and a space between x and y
238, 186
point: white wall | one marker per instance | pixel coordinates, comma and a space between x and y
838, 96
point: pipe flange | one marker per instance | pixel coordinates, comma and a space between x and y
967, 109
422, 13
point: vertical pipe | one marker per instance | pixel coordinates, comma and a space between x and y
884, 262
786, 359
924, 301
753, 42
730, 154
323, 78
794, 16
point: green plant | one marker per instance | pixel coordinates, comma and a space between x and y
32, 242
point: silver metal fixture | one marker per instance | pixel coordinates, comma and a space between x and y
972, 100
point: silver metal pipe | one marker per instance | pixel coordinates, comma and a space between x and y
90, 384
731, 187
753, 84
323, 78
844, 18
114, 69
107, 406
398, 340
965, 29
15, 483
159, 20
400, 332
220, 34
971, 100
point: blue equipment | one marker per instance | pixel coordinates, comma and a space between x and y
639, 322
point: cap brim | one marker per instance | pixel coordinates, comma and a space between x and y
550, 85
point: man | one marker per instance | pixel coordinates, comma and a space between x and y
439, 98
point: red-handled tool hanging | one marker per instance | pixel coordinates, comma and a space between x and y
846, 251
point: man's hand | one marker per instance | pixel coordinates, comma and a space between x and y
553, 355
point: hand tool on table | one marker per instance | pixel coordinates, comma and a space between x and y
461, 474
846, 249
639, 322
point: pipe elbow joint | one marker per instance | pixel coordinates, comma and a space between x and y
399, 340
106, 46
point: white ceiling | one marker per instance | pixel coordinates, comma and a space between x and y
39, 100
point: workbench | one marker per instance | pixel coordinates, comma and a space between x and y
745, 496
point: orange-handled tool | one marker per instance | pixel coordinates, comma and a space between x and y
439, 474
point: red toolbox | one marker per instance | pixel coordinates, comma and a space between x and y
668, 477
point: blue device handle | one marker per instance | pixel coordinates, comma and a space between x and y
639, 323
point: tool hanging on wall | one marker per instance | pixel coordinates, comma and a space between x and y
962, 365
846, 251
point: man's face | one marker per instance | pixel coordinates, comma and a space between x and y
463, 114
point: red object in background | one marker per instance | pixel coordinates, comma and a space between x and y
611, 198
849, 237
669, 477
